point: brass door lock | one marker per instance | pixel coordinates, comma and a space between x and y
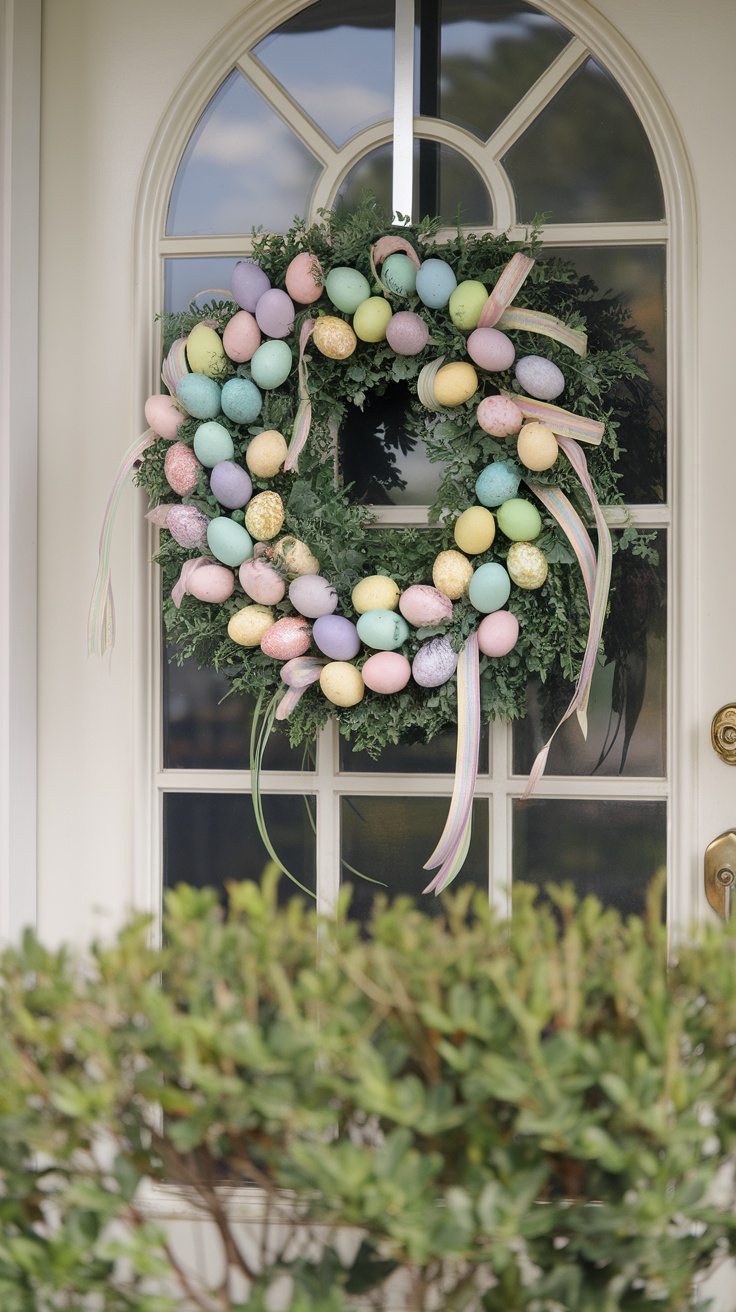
720, 872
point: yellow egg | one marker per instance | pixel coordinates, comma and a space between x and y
375, 593
266, 453
334, 337
475, 530
537, 446
466, 303
451, 574
293, 558
371, 319
265, 516
526, 565
342, 683
205, 351
455, 383
248, 625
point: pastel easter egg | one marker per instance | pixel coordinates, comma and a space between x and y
181, 468
266, 453
399, 274
241, 337
342, 684
213, 443
312, 596
475, 530
265, 516
537, 446
164, 416
260, 581
187, 526
248, 284
231, 485
371, 319
491, 349
499, 416
489, 587
527, 565
336, 637
229, 542
407, 333
540, 377
271, 364
213, 583
287, 638
241, 401
248, 625
304, 278
346, 288
519, 520
205, 351
422, 605
466, 303
382, 629
498, 633
434, 663
386, 672
455, 383
496, 483
334, 337
293, 557
451, 574
435, 283
377, 592
199, 395
275, 313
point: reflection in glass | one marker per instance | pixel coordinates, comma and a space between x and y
586, 157
627, 713
609, 849
456, 185
435, 757
211, 838
390, 838
185, 279
243, 167
335, 60
384, 463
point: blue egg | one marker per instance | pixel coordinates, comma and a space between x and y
199, 395
271, 364
231, 484
241, 400
435, 283
382, 629
213, 443
489, 587
497, 482
229, 542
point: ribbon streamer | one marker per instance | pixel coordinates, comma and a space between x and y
391, 245
452, 849
298, 674
572, 526
536, 321
101, 618
562, 422
510, 282
303, 420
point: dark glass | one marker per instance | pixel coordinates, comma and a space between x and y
586, 157
435, 757
609, 849
456, 190
186, 279
383, 463
243, 168
212, 838
627, 713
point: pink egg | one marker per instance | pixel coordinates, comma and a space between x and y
491, 349
248, 283
498, 633
407, 333
303, 278
275, 313
499, 416
181, 468
163, 416
213, 583
312, 596
287, 638
187, 526
262, 582
386, 672
336, 637
421, 604
241, 337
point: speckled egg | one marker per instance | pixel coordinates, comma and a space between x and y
248, 626
271, 364
304, 278
312, 596
241, 337
466, 303
205, 351
421, 605
371, 319
435, 283
407, 333
260, 581
213, 583
241, 401
475, 530
497, 483
451, 574
334, 337
228, 541
266, 453
346, 288
248, 284
336, 637
537, 446
399, 274
199, 395
527, 565
519, 520
181, 468
187, 526
382, 629
275, 313
499, 416
540, 377
231, 485
491, 349
498, 633
164, 416
342, 684
377, 592
287, 638
434, 663
293, 557
489, 587
264, 517
213, 443
455, 383
386, 672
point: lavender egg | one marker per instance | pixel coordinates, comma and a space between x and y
187, 526
540, 377
248, 284
434, 663
275, 313
286, 638
407, 333
336, 637
261, 582
312, 596
181, 468
231, 485
421, 604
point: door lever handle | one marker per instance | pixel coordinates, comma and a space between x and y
720, 872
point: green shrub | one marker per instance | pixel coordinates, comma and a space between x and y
475, 1114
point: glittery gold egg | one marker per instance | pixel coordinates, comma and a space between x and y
248, 625
342, 684
293, 558
451, 574
264, 516
527, 565
334, 337
377, 592
266, 453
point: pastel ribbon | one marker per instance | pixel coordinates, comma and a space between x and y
181, 587
562, 422
386, 246
101, 618
298, 674
509, 283
303, 420
536, 321
452, 849
572, 526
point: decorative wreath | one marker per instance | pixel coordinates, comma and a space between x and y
276, 575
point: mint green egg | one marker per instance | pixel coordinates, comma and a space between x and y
229, 542
399, 273
519, 520
271, 363
213, 443
347, 288
383, 630
489, 587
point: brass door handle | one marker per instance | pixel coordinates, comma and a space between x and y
720, 872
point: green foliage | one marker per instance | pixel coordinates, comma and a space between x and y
513, 1117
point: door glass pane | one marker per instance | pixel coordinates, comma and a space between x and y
383, 462
609, 849
586, 157
435, 757
186, 279
455, 184
243, 168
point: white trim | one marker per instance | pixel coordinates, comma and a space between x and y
402, 200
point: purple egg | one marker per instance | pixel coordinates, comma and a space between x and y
407, 333
231, 485
336, 637
434, 663
248, 284
312, 596
275, 313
